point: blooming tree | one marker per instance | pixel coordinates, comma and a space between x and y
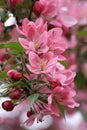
37, 59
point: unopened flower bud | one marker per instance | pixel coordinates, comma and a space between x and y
16, 94
8, 105
38, 8
29, 113
13, 3
14, 75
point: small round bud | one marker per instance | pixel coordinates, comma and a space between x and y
8, 105
29, 113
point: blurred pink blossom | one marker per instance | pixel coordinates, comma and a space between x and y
0, 27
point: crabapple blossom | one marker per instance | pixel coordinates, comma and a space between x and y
38, 44
62, 88
44, 49
40, 78
56, 43
57, 11
32, 29
48, 9
41, 65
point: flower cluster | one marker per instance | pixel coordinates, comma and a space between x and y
38, 74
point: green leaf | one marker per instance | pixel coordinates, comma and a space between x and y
85, 55
32, 98
3, 75
2, 46
12, 84
43, 82
78, 47
82, 33
8, 61
2, 3
63, 63
14, 52
15, 101
61, 109
13, 45
80, 80
14, 66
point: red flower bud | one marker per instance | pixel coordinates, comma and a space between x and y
14, 75
8, 105
29, 113
16, 94
13, 3
38, 8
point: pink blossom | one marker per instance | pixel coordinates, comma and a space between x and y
41, 65
57, 44
67, 11
63, 88
65, 96
58, 13
37, 44
52, 109
44, 42
38, 116
65, 76
41, 25
82, 13
32, 29
77, 9
72, 62
49, 8
67, 20
23, 30
36, 35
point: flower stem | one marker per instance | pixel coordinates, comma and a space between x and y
31, 10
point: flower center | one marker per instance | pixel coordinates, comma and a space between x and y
41, 64
36, 45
